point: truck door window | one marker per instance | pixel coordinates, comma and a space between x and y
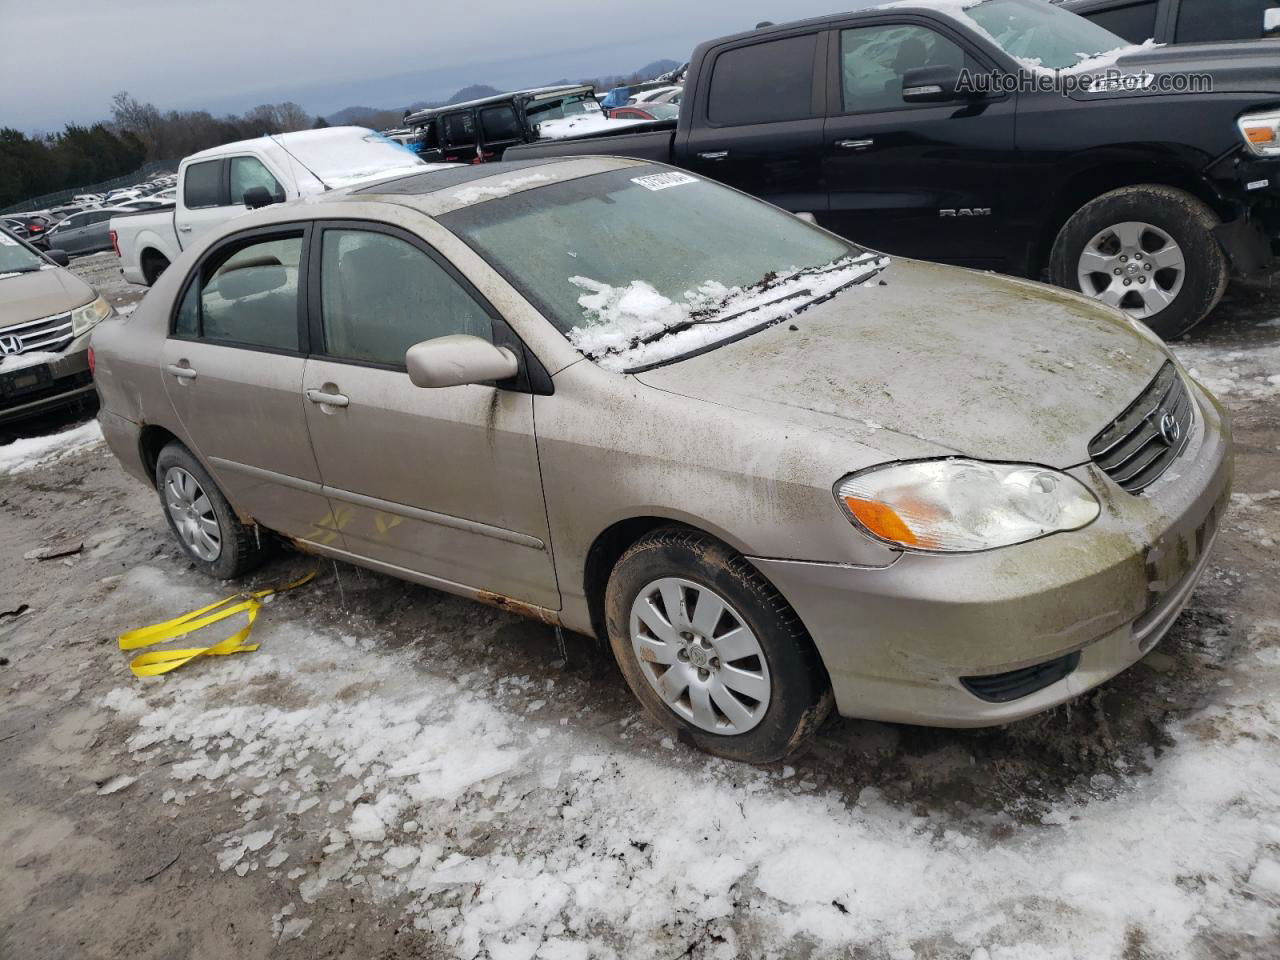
459, 130
1201, 21
764, 82
248, 172
380, 295
499, 124
1136, 22
251, 298
873, 61
202, 185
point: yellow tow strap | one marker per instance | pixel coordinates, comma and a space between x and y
162, 661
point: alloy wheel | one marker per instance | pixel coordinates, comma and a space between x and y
1134, 266
699, 656
192, 514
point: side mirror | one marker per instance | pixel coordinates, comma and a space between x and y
59, 257
931, 85
256, 197
457, 360
1271, 21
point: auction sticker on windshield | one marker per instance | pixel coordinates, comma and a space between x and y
660, 181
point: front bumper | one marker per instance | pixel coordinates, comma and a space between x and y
60, 383
899, 641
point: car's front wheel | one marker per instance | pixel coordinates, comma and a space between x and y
202, 521
1149, 250
712, 650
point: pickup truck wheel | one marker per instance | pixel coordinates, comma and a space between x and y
202, 521
153, 264
712, 650
1148, 250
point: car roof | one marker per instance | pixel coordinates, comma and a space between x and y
533, 93
951, 8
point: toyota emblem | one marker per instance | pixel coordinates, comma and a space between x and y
10, 345
1170, 430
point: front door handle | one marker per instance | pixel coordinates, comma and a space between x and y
855, 144
328, 399
715, 155
181, 372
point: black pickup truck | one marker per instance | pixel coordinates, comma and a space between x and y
1001, 134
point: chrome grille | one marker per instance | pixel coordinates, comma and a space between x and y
1144, 441
49, 334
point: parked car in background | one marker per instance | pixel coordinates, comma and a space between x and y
145, 203
86, 232
31, 227
646, 111
630, 401
1145, 198
478, 131
1182, 21
224, 182
658, 95
46, 314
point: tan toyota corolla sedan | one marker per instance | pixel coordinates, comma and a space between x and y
775, 470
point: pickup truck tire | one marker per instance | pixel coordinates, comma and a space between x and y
1161, 241
192, 501
745, 681
153, 264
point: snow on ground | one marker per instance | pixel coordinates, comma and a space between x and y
31, 452
375, 770
626, 325
1231, 373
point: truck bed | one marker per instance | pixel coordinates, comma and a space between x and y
648, 144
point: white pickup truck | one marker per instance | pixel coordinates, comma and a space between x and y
223, 182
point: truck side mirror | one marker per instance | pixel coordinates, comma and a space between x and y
1271, 22
931, 85
59, 257
256, 197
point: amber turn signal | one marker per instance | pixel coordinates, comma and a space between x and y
882, 520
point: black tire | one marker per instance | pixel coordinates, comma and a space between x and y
153, 264
1184, 218
800, 697
242, 548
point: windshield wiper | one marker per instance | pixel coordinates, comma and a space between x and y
33, 269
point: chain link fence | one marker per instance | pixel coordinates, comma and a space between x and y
145, 172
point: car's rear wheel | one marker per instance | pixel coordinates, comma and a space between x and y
202, 521
712, 650
153, 264
1150, 251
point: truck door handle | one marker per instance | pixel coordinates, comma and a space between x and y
181, 372
184, 227
715, 155
328, 399
854, 144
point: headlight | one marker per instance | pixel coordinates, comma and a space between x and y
1261, 132
82, 318
964, 506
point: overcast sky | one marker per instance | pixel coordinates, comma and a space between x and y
63, 60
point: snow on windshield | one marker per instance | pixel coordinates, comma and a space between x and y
341, 156
635, 325
1040, 37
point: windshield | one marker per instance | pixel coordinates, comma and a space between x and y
16, 258
578, 105
345, 155
642, 265
1041, 35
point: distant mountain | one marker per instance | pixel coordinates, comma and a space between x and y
382, 117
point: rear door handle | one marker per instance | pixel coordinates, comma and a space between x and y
184, 227
328, 399
181, 372
854, 144
715, 155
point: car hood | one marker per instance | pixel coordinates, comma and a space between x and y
32, 296
952, 361
1243, 66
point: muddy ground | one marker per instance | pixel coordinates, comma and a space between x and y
129, 835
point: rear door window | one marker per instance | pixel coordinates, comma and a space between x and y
764, 83
202, 185
380, 295
459, 130
251, 297
499, 124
